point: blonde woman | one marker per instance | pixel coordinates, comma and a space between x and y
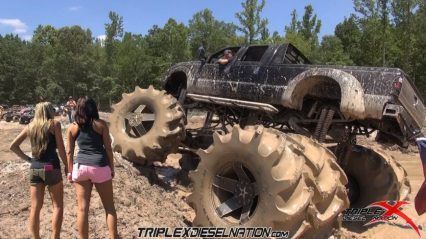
45, 136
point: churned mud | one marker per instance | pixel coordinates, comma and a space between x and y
144, 197
153, 196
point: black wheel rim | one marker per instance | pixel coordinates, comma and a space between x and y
236, 193
139, 122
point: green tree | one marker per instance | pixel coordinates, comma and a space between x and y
206, 31
72, 68
302, 44
333, 52
110, 83
294, 25
310, 26
45, 35
170, 42
113, 30
276, 38
350, 35
16, 76
419, 74
252, 25
304, 34
404, 19
166, 46
134, 64
377, 37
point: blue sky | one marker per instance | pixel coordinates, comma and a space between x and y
22, 17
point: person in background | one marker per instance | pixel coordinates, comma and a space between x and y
93, 165
226, 58
46, 137
71, 105
420, 199
1, 112
40, 99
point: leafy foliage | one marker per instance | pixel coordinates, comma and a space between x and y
252, 25
304, 33
333, 52
206, 31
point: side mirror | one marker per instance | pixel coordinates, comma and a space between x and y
201, 53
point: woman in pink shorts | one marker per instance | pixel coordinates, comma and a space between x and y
93, 165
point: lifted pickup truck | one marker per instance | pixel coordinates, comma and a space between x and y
278, 79
278, 144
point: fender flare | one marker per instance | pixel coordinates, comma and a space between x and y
178, 70
352, 103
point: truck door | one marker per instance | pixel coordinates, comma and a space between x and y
285, 63
244, 82
212, 78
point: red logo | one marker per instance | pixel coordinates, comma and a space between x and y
392, 209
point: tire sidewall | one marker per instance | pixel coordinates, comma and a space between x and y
118, 118
253, 163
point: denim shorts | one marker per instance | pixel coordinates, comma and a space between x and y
48, 178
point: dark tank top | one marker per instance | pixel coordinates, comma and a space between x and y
91, 147
47, 157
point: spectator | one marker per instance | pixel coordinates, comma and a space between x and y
420, 199
40, 99
71, 105
93, 165
45, 136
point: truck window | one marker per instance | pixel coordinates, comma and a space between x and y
216, 56
254, 53
294, 57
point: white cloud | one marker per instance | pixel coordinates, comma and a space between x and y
74, 8
101, 37
27, 37
17, 25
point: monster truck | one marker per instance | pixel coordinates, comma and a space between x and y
12, 114
278, 145
26, 115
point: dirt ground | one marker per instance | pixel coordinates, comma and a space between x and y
148, 196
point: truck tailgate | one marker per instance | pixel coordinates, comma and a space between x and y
412, 103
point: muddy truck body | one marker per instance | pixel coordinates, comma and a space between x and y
278, 78
276, 145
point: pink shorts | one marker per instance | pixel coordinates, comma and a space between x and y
93, 173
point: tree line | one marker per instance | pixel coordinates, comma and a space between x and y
58, 62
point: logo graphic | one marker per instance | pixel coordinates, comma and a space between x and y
391, 212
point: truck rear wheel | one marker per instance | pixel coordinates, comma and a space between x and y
374, 176
263, 177
147, 125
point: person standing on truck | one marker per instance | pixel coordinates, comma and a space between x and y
71, 105
94, 164
226, 58
46, 137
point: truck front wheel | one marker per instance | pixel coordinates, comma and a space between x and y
262, 177
147, 125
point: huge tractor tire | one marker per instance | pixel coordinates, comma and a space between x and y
374, 176
262, 177
147, 125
